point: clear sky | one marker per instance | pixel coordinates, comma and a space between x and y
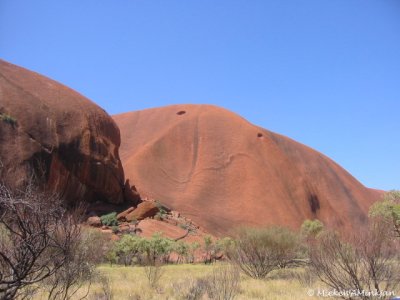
323, 72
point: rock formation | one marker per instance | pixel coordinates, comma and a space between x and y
221, 171
45, 125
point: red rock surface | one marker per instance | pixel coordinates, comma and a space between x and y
72, 138
221, 171
148, 227
144, 210
122, 215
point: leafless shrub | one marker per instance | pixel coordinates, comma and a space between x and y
283, 274
191, 288
154, 272
76, 273
224, 283
106, 288
36, 240
368, 261
306, 277
106, 292
28, 292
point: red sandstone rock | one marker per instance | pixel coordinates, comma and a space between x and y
144, 210
149, 227
75, 141
124, 227
221, 171
122, 216
94, 221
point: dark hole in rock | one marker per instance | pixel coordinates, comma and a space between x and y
181, 112
314, 203
259, 135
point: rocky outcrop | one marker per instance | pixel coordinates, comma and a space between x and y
221, 171
47, 127
144, 210
122, 215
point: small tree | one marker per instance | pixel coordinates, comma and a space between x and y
208, 246
193, 247
212, 249
388, 211
128, 248
157, 249
156, 252
182, 250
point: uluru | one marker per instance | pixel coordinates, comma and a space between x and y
211, 165
222, 171
46, 125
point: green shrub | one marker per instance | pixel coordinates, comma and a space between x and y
258, 251
109, 219
225, 244
311, 228
128, 248
193, 247
388, 211
182, 250
134, 249
158, 248
162, 212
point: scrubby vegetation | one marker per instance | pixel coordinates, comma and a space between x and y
109, 219
191, 281
369, 261
45, 254
257, 252
311, 228
388, 211
41, 245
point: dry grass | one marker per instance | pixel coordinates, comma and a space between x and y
131, 283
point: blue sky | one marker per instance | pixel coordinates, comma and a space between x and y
323, 72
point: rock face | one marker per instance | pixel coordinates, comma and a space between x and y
221, 171
144, 210
46, 125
